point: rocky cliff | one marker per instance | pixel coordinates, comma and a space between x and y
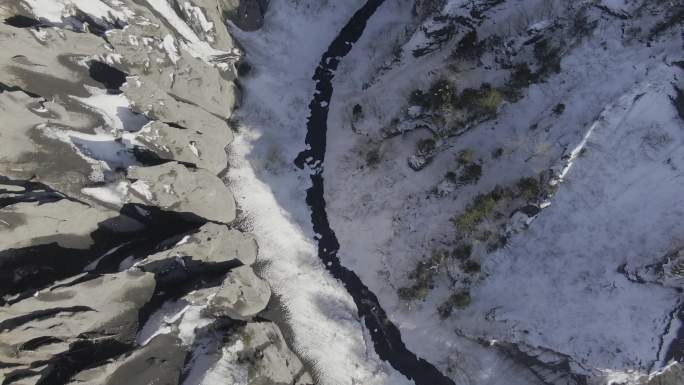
122, 260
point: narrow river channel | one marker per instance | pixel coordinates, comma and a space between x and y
386, 336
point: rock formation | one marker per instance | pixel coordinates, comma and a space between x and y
111, 205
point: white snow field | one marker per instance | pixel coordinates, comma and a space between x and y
271, 190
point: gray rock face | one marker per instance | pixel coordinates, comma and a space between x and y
159, 362
26, 63
247, 15
256, 354
65, 222
242, 295
114, 125
212, 245
29, 153
272, 362
44, 327
158, 105
173, 187
199, 147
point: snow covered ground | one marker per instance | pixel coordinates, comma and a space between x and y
271, 190
556, 285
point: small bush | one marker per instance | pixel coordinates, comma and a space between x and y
490, 101
471, 173
426, 146
469, 48
413, 293
499, 193
482, 103
465, 156
482, 206
462, 252
373, 157
521, 78
548, 57
357, 112
529, 187
419, 98
423, 276
471, 267
496, 154
441, 96
559, 108
459, 300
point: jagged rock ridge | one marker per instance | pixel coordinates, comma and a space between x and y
120, 262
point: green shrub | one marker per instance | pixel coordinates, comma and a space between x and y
373, 157
441, 96
419, 98
423, 276
459, 300
548, 57
465, 156
559, 108
471, 173
498, 193
413, 293
468, 47
462, 252
490, 101
426, 146
529, 187
480, 103
357, 112
475, 213
521, 78
471, 267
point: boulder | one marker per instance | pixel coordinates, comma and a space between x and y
174, 187
200, 147
52, 73
242, 295
256, 354
159, 362
65, 222
212, 246
49, 325
30, 154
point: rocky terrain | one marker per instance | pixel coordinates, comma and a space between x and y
479, 192
121, 260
